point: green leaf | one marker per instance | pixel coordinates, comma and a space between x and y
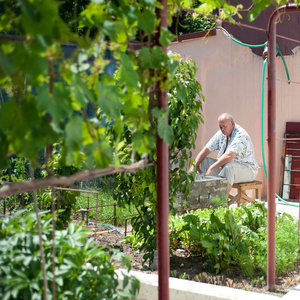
6, 64
56, 104
195, 233
173, 66
74, 138
144, 57
144, 184
140, 142
59, 281
109, 99
78, 96
152, 187
110, 29
33, 64
257, 9
193, 219
99, 154
126, 262
146, 20
128, 75
207, 244
166, 37
158, 58
86, 137
24, 127
164, 130
4, 150
31, 11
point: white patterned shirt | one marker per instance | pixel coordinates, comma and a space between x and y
239, 143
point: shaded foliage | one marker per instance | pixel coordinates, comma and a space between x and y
83, 270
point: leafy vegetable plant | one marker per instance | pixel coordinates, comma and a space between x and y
82, 270
229, 239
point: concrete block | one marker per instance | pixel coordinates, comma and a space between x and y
191, 290
293, 294
203, 191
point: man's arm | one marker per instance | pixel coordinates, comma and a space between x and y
224, 159
200, 157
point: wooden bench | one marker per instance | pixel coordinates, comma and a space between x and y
242, 187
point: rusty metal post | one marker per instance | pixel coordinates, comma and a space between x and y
163, 217
271, 34
87, 213
272, 152
162, 184
58, 199
97, 199
115, 214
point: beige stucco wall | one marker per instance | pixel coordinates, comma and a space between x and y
231, 78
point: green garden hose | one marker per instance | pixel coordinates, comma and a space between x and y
247, 45
262, 134
286, 69
109, 226
262, 117
257, 46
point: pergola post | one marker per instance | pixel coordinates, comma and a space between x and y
162, 183
271, 191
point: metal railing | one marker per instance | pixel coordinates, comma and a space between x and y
97, 208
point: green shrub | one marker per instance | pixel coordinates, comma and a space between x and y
287, 244
230, 239
66, 200
82, 270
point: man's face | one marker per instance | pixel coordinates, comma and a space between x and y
226, 126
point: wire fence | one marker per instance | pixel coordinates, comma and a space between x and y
95, 211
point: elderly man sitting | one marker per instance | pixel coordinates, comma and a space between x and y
236, 161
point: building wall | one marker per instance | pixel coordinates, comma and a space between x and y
231, 78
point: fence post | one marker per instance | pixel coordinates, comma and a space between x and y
115, 214
58, 198
97, 199
87, 212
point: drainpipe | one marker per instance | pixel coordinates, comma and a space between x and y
271, 34
162, 183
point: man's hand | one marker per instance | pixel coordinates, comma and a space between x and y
209, 171
223, 159
200, 157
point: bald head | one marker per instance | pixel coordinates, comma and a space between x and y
226, 124
226, 116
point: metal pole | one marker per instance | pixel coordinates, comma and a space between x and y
115, 214
271, 34
87, 212
163, 219
272, 155
97, 207
163, 185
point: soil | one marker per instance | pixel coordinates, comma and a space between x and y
184, 265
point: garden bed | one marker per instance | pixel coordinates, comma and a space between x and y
192, 267
183, 265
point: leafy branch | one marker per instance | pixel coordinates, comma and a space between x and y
28, 186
